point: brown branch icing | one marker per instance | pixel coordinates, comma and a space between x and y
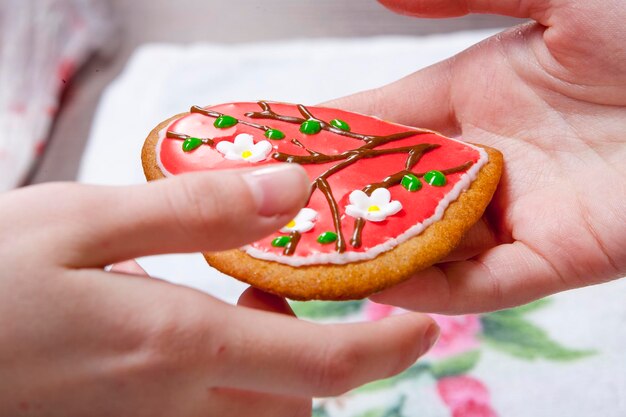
268, 113
463, 167
324, 187
390, 181
358, 230
315, 157
174, 135
210, 113
294, 239
369, 149
306, 113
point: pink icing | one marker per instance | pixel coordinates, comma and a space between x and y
417, 206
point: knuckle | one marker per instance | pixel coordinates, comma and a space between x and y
56, 188
495, 287
407, 352
144, 348
177, 338
195, 210
76, 202
377, 99
37, 198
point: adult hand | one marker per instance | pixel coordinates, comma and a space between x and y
551, 95
76, 340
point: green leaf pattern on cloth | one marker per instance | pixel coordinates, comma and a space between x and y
509, 332
449, 365
325, 309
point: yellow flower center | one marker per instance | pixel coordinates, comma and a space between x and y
373, 208
246, 154
291, 224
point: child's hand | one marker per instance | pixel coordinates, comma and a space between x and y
76, 340
551, 95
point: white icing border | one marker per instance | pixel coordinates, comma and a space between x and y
348, 257
162, 134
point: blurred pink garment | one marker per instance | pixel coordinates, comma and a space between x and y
42, 43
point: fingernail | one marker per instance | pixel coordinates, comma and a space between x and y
430, 338
278, 189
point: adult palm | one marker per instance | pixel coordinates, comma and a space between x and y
551, 95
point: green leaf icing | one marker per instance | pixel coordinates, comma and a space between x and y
191, 143
340, 124
225, 121
327, 237
310, 127
435, 178
411, 183
274, 134
281, 241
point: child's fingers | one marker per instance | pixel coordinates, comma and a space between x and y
320, 360
504, 276
421, 99
478, 239
218, 345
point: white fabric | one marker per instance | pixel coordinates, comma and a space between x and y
42, 43
162, 80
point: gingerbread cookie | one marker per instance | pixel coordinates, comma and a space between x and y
387, 200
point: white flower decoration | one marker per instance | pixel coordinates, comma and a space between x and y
375, 208
303, 222
244, 149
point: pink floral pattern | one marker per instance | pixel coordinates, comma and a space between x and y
374, 311
451, 361
458, 334
465, 397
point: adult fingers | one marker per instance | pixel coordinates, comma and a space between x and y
502, 277
319, 360
217, 345
535, 9
213, 211
260, 300
421, 99
264, 404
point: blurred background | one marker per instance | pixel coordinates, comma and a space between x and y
116, 28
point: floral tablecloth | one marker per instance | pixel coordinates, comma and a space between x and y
458, 376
